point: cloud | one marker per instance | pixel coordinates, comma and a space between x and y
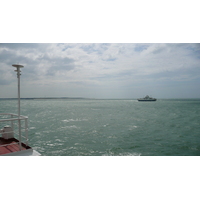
103, 65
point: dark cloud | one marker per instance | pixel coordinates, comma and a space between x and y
59, 64
54, 69
110, 58
10, 57
140, 47
4, 82
40, 63
95, 48
21, 45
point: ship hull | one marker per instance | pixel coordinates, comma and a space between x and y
146, 100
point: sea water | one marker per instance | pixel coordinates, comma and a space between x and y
87, 127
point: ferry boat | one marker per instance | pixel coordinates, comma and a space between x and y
147, 98
14, 132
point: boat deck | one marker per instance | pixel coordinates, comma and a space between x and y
10, 146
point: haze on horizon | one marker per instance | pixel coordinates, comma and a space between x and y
101, 70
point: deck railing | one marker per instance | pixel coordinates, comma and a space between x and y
18, 125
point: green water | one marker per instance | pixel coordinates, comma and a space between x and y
111, 127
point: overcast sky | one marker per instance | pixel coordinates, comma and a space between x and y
98, 70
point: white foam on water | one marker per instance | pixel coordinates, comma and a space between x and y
132, 127
105, 125
51, 145
74, 120
69, 127
73, 126
32, 128
122, 154
130, 154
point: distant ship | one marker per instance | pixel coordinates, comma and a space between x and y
147, 98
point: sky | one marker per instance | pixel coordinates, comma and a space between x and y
101, 70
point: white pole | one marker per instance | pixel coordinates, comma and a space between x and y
19, 122
18, 76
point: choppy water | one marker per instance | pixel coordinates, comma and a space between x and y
111, 127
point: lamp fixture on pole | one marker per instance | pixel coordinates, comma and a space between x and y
18, 76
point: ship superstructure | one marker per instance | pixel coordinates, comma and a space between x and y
14, 132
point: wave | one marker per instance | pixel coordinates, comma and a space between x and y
74, 120
73, 126
122, 154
